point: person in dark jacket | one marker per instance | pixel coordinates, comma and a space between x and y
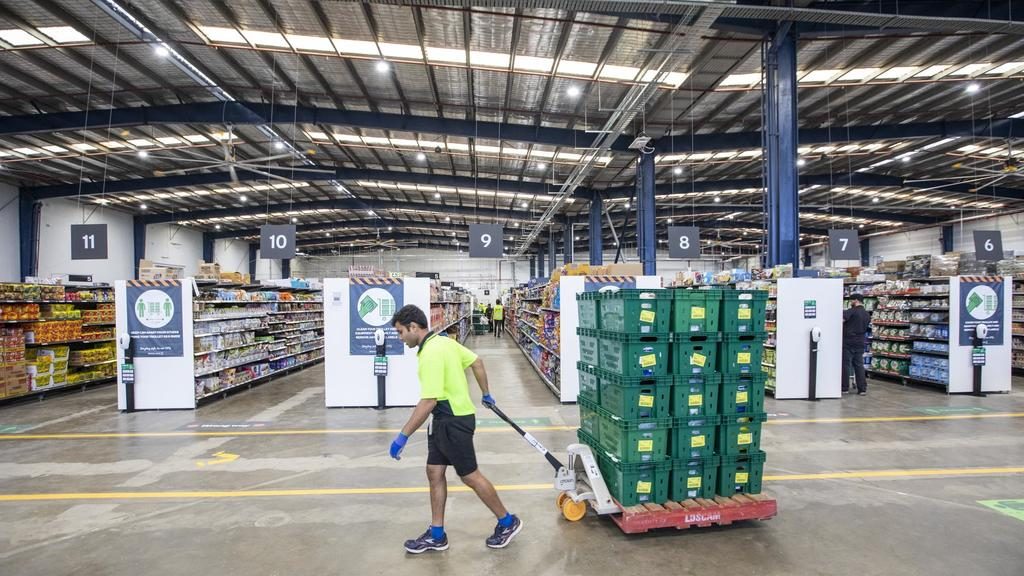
856, 322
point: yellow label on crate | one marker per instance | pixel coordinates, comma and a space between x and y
696, 399
646, 400
743, 439
693, 482
744, 313
742, 397
742, 477
698, 441
743, 357
643, 487
645, 445
697, 313
647, 316
648, 360
698, 360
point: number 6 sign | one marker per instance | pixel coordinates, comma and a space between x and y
988, 245
486, 240
277, 241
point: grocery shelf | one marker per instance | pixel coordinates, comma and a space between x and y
91, 364
556, 310
295, 353
538, 343
930, 352
58, 389
445, 329
238, 331
267, 376
234, 365
233, 317
890, 354
254, 343
68, 342
547, 381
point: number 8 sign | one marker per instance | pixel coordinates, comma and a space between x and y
486, 240
683, 242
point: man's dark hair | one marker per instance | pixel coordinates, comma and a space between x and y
409, 314
498, 301
856, 297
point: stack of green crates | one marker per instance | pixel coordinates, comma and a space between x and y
626, 390
741, 398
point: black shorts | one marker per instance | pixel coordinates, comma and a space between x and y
450, 443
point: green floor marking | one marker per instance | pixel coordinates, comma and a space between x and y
943, 410
1012, 508
498, 422
12, 428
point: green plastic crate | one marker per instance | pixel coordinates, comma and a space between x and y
631, 441
741, 474
590, 382
741, 354
694, 478
694, 437
588, 305
740, 434
743, 311
590, 422
695, 395
695, 354
633, 355
696, 310
632, 484
635, 311
590, 346
636, 398
742, 393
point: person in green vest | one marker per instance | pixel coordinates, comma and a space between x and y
498, 317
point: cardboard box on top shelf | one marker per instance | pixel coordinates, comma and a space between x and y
208, 271
631, 269
233, 277
892, 266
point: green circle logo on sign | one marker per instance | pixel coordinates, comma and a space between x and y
376, 307
154, 309
982, 302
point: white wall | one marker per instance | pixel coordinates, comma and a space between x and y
271, 269
232, 255
10, 258
56, 219
175, 245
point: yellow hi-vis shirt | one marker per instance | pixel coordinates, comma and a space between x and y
498, 313
442, 372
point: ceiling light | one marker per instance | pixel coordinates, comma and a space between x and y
437, 194
142, 206
421, 156
242, 198
328, 234
718, 198
972, 88
524, 204
515, 224
801, 162
217, 227
143, 154
627, 205
383, 66
541, 165
162, 51
669, 220
449, 219
278, 145
294, 220
389, 228
573, 91
875, 200
905, 159
861, 226
677, 170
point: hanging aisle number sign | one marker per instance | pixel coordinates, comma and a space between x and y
277, 241
88, 241
988, 245
843, 245
486, 240
683, 242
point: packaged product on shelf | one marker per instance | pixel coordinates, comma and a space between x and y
945, 264
918, 266
18, 312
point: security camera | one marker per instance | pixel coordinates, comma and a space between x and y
437, 149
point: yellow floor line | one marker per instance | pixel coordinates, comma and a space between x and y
346, 431
192, 494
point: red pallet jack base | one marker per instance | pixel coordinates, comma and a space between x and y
699, 513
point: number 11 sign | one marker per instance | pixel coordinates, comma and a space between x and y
486, 240
88, 241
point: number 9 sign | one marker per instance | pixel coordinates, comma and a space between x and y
485, 240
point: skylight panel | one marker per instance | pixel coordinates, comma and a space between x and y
376, 140
311, 43
897, 72
446, 55
612, 72
352, 138
18, 37
55, 149
859, 74
405, 51
489, 59
931, 71
196, 138
1008, 68
819, 76
113, 144
260, 38
971, 69
83, 147
28, 151
356, 47
533, 64
168, 140
141, 142
225, 35
575, 68
674, 79
741, 79
63, 34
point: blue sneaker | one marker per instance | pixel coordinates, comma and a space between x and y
425, 543
503, 535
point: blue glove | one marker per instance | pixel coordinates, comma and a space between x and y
488, 400
398, 445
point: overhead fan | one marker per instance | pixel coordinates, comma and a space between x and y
233, 164
983, 173
388, 243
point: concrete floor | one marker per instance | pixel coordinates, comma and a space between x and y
906, 524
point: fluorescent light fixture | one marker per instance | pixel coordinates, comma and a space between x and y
489, 59
533, 63
55, 149
819, 76
356, 47
350, 138
435, 54
674, 79
931, 71
225, 35
260, 38
318, 136
18, 37
859, 74
971, 69
310, 43
404, 51
63, 34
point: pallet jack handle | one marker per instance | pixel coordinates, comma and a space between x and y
555, 463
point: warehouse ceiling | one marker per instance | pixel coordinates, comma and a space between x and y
355, 119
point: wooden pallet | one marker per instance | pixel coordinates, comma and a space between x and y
698, 512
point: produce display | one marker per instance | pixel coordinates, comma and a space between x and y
56, 331
31, 292
19, 312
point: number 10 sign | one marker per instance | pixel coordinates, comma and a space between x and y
486, 240
277, 241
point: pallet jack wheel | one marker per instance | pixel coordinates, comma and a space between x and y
573, 511
562, 497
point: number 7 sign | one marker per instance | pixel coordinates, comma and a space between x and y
844, 245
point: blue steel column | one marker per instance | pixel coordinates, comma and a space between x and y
252, 261
947, 238
139, 240
27, 227
286, 268
865, 252
596, 246
552, 261
567, 243
779, 111
533, 266
646, 241
208, 240
540, 263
